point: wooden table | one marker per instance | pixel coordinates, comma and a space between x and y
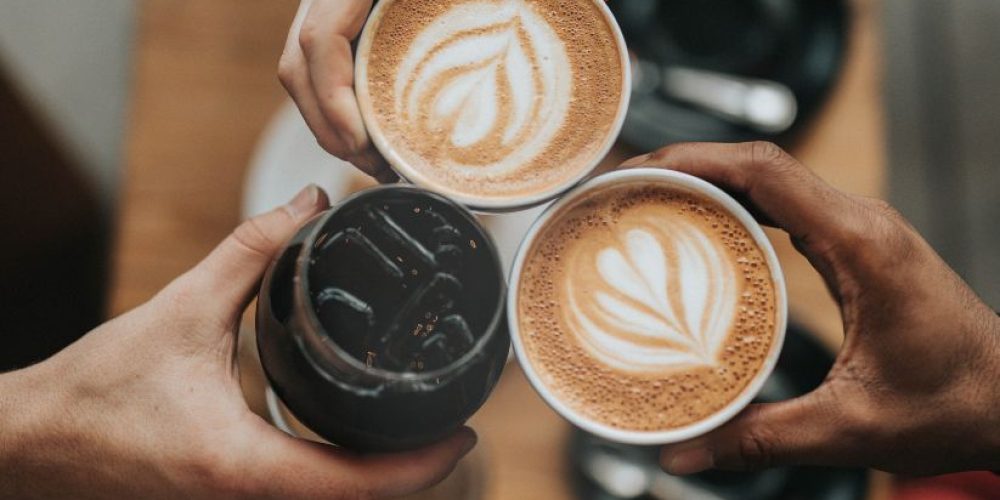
204, 88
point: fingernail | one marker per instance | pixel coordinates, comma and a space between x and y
690, 461
638, 160
305, 201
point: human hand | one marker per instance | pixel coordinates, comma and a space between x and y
317, 70
149, 404
916, 386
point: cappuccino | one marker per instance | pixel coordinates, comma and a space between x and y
499, 104
645, 307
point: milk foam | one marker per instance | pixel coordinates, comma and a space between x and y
645, 307
481, 72
502, 102
667, 296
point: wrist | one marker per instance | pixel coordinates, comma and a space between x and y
994, 401
10, 428
989, 401
19, 403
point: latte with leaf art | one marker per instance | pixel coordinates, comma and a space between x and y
646, 307
493, 100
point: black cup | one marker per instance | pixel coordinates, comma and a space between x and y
381, 326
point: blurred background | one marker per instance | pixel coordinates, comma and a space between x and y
128, 127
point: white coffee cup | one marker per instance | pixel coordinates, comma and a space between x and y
698, 187
412, 175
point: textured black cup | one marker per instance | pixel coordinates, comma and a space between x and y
381, 326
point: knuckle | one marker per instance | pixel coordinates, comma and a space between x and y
762, 160
663, 154
859, 423
334, 146
764, 153
287, 66
755, 451
876, 235
308, 37
839, 399
253, 238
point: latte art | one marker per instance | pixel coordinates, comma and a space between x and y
667, 297
645, 307
491, 85
497, 103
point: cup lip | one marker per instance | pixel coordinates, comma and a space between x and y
301, 291
476, 203
685, 182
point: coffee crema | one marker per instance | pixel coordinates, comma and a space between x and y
645, 307
494, 99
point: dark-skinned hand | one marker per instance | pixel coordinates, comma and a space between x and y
916, 386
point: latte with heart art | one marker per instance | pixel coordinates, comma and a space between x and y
495, 102
646, 307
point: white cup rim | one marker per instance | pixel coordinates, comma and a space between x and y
698, 186
473, 202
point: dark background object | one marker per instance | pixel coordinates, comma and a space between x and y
802, 366
53, 255
943, 125
799, 43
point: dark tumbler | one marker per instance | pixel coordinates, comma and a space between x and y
381, 326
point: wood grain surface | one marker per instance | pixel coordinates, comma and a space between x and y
204, 88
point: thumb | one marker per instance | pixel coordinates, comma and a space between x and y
230, 274
800, 431
288, 467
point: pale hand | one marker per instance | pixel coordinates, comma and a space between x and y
317, 70
149, 405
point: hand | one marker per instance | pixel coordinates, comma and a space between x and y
916, 386
317, 70
149, 404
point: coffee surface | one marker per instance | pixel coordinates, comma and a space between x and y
496, 99
646, 308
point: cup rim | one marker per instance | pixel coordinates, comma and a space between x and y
666, 436
510, 204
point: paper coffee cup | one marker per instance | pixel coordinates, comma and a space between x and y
393, 153
681, 182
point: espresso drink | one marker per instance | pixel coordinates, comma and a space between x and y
492, 100
646, 307
383, 327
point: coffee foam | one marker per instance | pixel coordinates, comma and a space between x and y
646, 308
495, 99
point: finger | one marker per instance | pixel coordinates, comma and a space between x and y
419, 469
772, 182
295, 468
231, 273
325, 41
802, 431
293, 72
372, 163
